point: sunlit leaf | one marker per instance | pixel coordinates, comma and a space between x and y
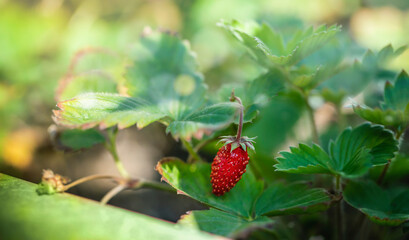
26, 215
163, 85
91, 70
381, 206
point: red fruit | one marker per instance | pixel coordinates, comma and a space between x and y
227, 168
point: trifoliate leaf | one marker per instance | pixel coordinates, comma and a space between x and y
267, 46
352, 154
395, 108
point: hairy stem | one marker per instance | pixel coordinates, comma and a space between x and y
193, 156
112, 193
240, 127
340, 225
88, 178
110, 145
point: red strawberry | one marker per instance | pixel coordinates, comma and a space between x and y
227, 168
231, 160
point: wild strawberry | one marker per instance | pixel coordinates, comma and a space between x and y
227, 168
231, 160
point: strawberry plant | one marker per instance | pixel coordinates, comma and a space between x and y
278, 183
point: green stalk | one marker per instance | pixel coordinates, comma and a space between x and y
110, 145
311, 117
194, 157
240, 127
340, 230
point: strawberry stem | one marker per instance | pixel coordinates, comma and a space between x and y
240, 127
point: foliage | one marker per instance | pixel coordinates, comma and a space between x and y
293, 74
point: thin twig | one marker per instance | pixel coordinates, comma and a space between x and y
112, 193
88, 178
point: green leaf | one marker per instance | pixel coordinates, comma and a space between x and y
395, 108
356, 150
353, 153
220, 223
397, 95
267, 46
295, 198
381, 206
304, 159
193, 180
77, 139
163, 85
106, 110
91, 70
354, 77
388, 117
26, 215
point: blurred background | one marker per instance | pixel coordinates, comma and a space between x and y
38, 39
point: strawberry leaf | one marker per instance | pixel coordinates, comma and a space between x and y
194, 181
220, 223
296, 198
91, 70
395, 108
304, 159
397, 95
163, 85
381, 206
353, 153
353, 77
26, 215
267, 46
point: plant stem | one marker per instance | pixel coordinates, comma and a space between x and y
194, 157
114, 191
88, 178
240, 127
340, 226
110, 145
384, 171
312, 120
